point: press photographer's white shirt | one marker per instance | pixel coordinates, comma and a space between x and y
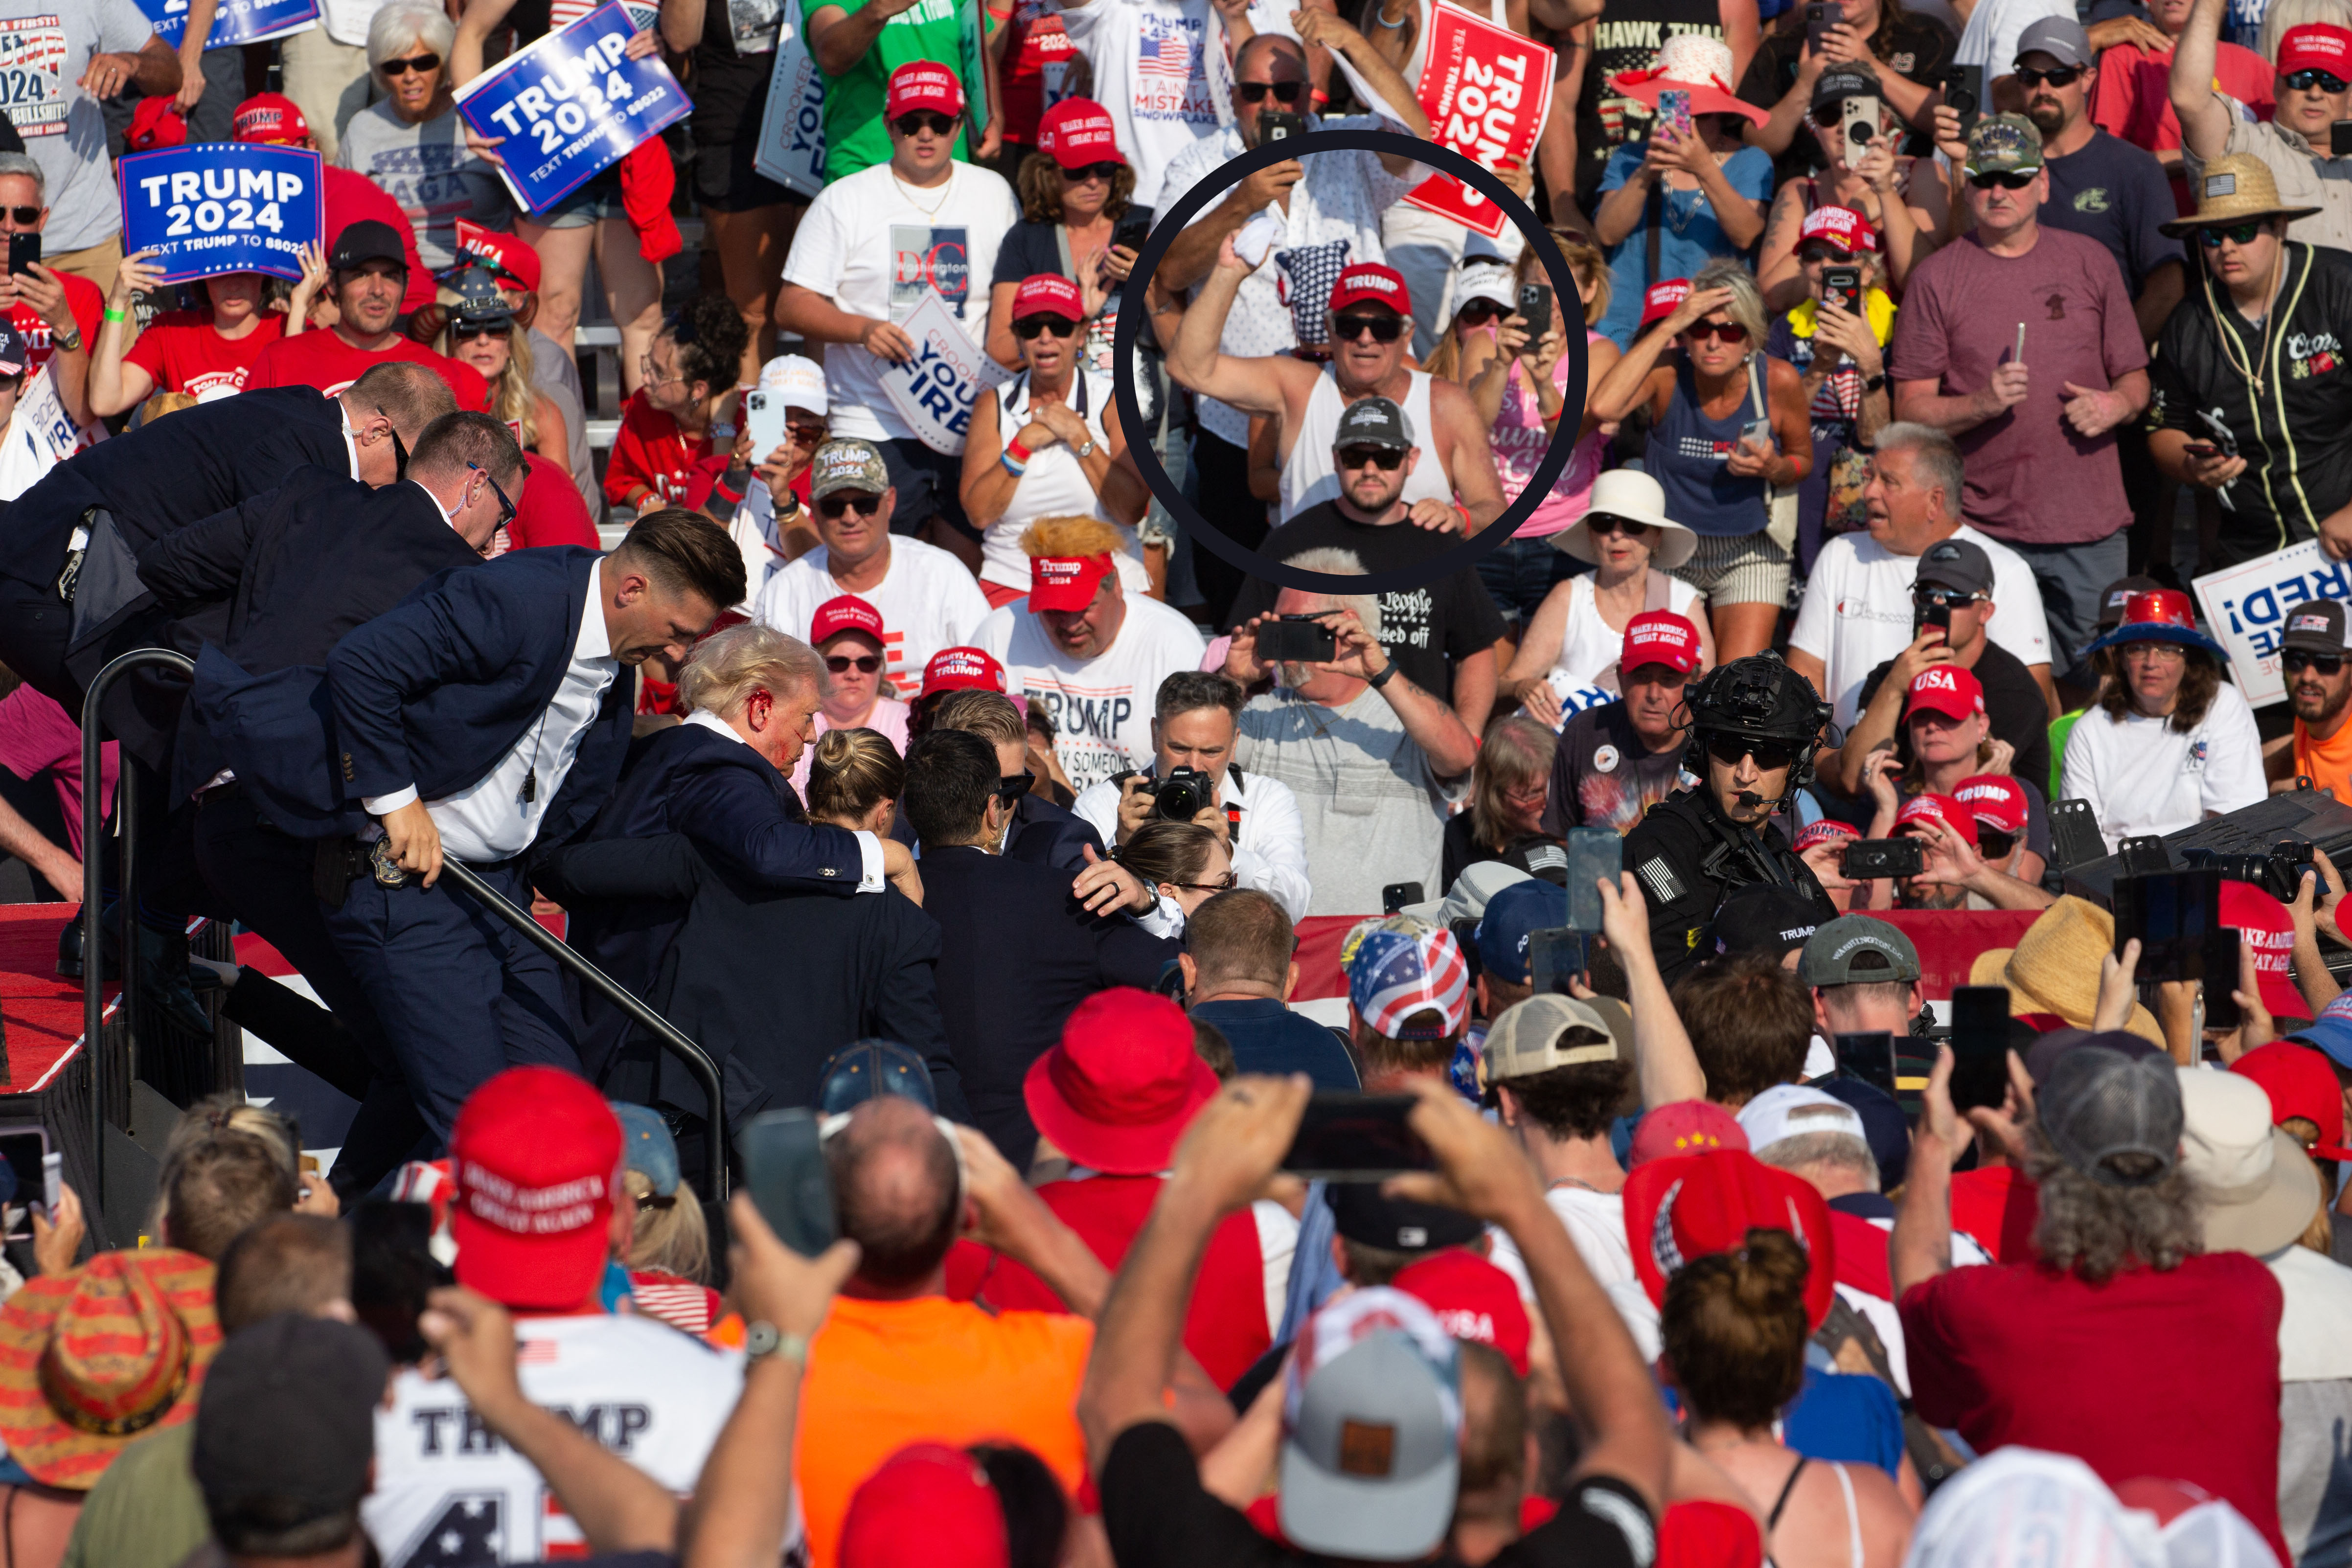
1269, 846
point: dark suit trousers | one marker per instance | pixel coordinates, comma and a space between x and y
459, 994
35, 625
264, 877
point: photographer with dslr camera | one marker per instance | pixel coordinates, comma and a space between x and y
1192, 779
1754, 726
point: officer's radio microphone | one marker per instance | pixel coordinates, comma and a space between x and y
1750, 798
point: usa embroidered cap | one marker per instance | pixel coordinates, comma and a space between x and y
535, 1159
1996, 800
1840, 226
1077, 131
1369, 280
962, 669
1048, 293
845, 612
1394, 975
1695, 1206
1474, 1301
1372, 1425
1065, 582
1938, 808
922, 84
1946, 689
269, 118
1659, 637
2317, 627
847, 463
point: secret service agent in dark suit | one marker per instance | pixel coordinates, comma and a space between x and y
1043, 832
847, 969
484, 714
170, 473
299, 568
1021, 946
723, 778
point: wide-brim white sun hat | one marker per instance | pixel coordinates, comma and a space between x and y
1630, 494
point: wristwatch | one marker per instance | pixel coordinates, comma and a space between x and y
1872, 383
762, 1340
1086, 451
66, 341
1387, 672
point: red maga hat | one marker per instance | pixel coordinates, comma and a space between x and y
1843, 227
510, 256
1659, 637
1996, 800
1944, 809
1065, 582
269, 118
923, 84
2316, 46
845, 612
1116, 1093
926, 1503
1050, 293
1474, 1301
1658, 301
962, 669
1369, 280
2300, 1083
1693, 1206
536, 1158
1077, 131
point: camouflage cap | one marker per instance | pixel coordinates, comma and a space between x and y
2004, 144
847, 463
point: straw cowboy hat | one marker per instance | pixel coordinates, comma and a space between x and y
91, 1361
2236, 188
1630, 494
2054, 968
1697, 65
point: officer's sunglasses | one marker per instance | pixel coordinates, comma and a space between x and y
2305, 81
506, 508
2296, 659
1730, 750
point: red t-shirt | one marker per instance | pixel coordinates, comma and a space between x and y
1225, 1327
2171, 1373
320, 358
652, 453
550, 510
2133, 98
1037, 53
83, 298
349, 196
183, 353
1997, 1207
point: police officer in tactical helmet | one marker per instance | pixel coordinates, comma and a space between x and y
1754, 725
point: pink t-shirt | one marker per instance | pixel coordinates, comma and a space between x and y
2031, 479
889, 719
37, 734
1519, 440
2133, 98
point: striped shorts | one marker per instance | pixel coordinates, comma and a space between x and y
1737, 568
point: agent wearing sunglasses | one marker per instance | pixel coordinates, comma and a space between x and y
2319, 689
1754, 725
2312, 90
1703, 375
1048, 443
867, 250
2274, 444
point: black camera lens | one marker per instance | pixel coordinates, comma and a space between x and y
1182, 795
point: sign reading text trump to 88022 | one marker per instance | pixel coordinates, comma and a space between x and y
1486, 91
570, 105
222, 206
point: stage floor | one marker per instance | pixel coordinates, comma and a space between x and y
42, 1009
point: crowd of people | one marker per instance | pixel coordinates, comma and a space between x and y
1185, 1102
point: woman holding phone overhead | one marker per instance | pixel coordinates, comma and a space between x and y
1731, 429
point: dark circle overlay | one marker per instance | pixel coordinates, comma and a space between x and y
1132, 311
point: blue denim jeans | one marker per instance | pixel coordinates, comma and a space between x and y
1519, 572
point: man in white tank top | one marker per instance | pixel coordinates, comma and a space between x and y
1452, 486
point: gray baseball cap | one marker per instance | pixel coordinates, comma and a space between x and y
1954, 564
2099, 1106
1525, 1039
1831, 952
1373, 421
1371, 1453
2060, 38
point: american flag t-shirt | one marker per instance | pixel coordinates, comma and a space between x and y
1165, 55
1171, 80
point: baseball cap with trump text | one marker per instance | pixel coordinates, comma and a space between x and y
1066, 582
535, 1158
1938, 808
270, 119
962, 669
1371, 281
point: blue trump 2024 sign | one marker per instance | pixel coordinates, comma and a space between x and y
222, 206
236, 21
571, 105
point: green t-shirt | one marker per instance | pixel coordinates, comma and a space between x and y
946, 31
145, 1510
2060, 729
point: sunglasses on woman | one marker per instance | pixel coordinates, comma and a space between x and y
2007, 179
1727, 331
1230, 883
1603, 523
842, 664
2297, 661
1105, 171
937, 124
807, 434
1384, 328
1730, 750
420, 64
2236, 234
476, 334
1477, 313
2063, 76
832, 506
1027, 328
1284, 92
2305, 81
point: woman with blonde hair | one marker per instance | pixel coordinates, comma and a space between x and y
1509, 785
1710, 389
669, 1241
855, 778
482, 333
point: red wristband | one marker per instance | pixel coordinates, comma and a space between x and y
1018, 453
1469, 526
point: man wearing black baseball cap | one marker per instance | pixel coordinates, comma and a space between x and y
1441, 635
367, 275
1955, 578
2319, 690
